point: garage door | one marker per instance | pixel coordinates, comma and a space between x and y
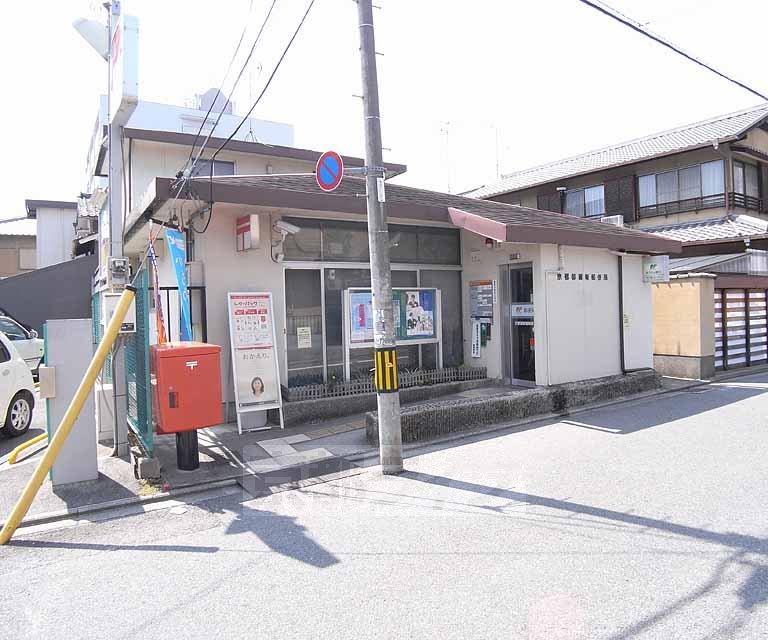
740, 328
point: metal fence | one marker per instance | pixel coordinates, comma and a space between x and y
406, 379
138, 383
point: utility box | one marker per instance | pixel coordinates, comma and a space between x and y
186, 386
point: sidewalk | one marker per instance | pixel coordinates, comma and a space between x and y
228, 458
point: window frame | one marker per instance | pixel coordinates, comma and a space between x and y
583, 191
743, 195
674, 206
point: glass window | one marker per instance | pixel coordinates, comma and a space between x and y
574, 202
336, 280
438, 246
751, 179
712, 178
594, 201
306, 244
647, 190
738, 177
345, 242
403, 244
220, 168
690, 182
666, 187
304, 326
12, 330
4, 355
449, 283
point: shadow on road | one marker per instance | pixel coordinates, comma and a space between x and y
623, 420
280, 533
752, 593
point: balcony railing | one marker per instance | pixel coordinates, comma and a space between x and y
679, 206
745, 202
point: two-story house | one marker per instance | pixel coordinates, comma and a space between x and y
703, 184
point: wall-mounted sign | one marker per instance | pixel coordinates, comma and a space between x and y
655, 269
254, 361
475, 338
247, 232
481, 299
521, 310
124, 69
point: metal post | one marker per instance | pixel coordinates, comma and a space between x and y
388, 400
115, 202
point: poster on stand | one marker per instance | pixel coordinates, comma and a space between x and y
255, 367
419, 314
361, 316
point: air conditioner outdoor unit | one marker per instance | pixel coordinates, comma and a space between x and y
617, 221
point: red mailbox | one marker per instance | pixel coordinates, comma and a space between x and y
186, 386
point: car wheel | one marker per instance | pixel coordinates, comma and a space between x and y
19, 416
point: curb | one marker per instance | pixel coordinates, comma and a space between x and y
463, 435
61, 514
52, 516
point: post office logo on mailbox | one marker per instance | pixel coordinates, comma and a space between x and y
191, 364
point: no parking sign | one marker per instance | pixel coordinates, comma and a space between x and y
329, 171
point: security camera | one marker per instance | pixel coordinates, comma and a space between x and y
286, 228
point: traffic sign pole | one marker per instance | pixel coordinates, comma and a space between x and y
387, 396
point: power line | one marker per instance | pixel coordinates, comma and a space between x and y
218, 91
636, 26
266, 86
234, 86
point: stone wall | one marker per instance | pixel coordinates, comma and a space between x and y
432, 420
306, 411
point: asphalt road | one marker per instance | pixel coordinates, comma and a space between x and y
644, 520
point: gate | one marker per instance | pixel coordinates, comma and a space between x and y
138, 383
741, 339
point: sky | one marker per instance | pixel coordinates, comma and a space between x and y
469, 90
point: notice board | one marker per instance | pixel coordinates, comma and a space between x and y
481, 299
255, 368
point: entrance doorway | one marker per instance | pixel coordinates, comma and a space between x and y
519, 347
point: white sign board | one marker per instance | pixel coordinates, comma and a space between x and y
255, 367
655, 269
123, 69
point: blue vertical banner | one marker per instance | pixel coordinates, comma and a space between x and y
177, 251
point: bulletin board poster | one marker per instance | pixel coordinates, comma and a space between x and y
361, 317
418, 307
254, 360
415, 313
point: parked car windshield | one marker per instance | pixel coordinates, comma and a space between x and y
12, 330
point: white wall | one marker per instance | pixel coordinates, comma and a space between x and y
149, 160
576, 322
55, 233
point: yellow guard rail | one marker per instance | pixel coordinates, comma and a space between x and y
73, 411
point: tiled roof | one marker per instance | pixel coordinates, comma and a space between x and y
713, 229
18, 227
520, 224
690, 136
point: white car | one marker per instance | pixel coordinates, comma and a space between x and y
29, 346
17, 391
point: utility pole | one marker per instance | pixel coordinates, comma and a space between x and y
387, 393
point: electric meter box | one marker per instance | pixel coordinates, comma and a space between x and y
109, 304
186, 386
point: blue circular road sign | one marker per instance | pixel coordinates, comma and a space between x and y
329, 171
